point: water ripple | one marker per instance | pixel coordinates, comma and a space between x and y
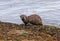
49, 10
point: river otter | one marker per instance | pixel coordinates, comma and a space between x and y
35, 19
24, 19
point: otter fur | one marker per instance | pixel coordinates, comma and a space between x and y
35, 19
24, 19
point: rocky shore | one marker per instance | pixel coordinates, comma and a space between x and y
15, 32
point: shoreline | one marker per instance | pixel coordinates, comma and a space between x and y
11, 28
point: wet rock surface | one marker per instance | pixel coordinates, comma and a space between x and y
14, 32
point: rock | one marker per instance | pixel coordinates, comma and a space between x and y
35, 19
24, 19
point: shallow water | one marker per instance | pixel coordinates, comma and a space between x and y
49, 10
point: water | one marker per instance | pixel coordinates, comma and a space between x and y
49, 10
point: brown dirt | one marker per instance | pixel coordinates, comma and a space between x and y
14, 32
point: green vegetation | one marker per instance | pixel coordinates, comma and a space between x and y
24, 33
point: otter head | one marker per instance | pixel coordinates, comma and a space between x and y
24, 18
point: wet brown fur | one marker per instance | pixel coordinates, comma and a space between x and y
33, 19
24, 19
